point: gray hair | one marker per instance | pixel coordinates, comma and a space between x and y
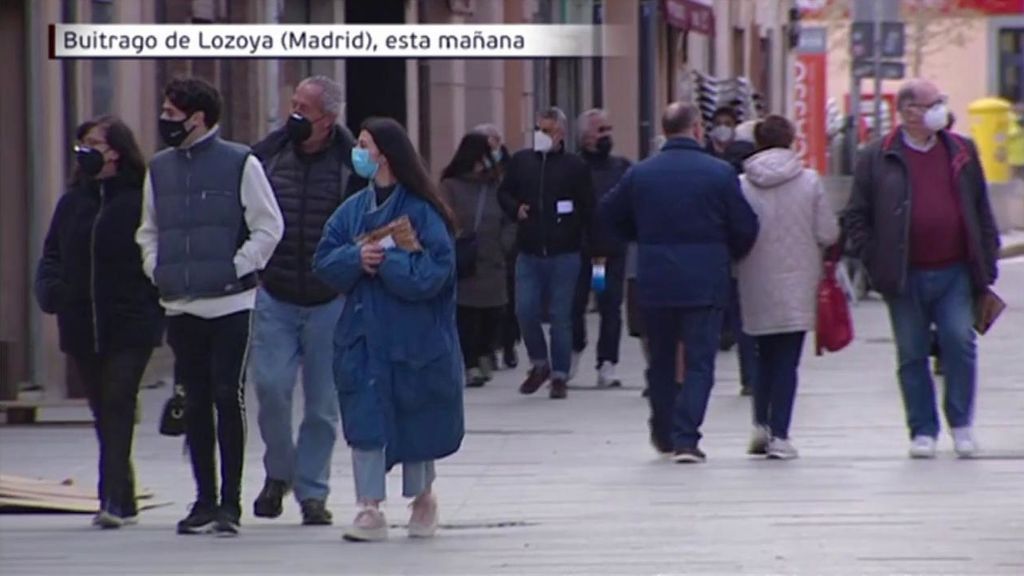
489, 130
583, 122
555, 113
332, 96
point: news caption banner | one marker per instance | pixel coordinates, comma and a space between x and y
125, 41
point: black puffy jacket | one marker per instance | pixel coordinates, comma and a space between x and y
90, 274
308, 188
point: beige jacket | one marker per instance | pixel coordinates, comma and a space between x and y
778, 280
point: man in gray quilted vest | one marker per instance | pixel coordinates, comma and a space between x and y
210, 223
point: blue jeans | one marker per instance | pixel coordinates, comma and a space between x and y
942, 298
550, 279
678, 413
369, 472
775, 392
285, 335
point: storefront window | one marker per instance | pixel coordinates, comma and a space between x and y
1011, 64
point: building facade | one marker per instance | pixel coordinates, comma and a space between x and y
437, 100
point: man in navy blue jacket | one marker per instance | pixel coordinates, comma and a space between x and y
685, 210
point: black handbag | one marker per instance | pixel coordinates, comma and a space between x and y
172, 421
467, 245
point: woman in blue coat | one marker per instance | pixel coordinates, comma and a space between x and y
397, 362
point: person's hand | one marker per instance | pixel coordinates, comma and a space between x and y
370, 256
524, 212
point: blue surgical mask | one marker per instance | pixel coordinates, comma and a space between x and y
363, 164
496, 155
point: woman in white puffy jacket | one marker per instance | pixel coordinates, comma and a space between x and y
778, 280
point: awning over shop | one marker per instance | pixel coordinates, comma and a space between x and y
691, 15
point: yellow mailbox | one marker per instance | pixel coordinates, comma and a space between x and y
990, 125
1015, 142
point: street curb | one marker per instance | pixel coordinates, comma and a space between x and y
1012, 250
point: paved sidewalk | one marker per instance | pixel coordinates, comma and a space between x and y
543, 487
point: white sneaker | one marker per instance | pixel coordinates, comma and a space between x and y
574, 366
107, 521
781, 449
759, 440
963, 442
922, 447
369, 526
423, 521
606, 376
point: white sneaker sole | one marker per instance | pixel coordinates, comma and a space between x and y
922, 455
779, 455
422, 531
108, 521
355, 534
687, 459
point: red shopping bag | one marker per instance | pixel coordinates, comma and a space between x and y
835, 327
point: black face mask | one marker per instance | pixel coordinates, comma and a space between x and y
299, 128
90, 160
604, 145
173, 132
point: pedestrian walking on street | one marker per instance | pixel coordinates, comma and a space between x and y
508, 332
469, 186
108, 313
778, 280
605, 252
725, 144
685, 210
397, 362
308, 165
210, 223
549, 193
919, 217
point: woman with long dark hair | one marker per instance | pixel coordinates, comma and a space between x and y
108, 312
469, 185
398, 366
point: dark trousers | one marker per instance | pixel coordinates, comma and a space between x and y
210, 356
508, 332
111, 381
609, 306
746, 345
678, 413
478, 328
775, 391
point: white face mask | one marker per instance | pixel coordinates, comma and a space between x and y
542, 142
722, 133
936, 118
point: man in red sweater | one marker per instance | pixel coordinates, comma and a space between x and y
919, 218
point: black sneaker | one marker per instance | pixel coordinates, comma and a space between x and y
661, 445
689, 456
268, 503
200, 520
315, 513
228, 521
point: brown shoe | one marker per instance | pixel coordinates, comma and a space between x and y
536, 379
559, 389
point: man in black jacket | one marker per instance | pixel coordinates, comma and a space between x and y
919, 218
307, 163
549, 193
605, 254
